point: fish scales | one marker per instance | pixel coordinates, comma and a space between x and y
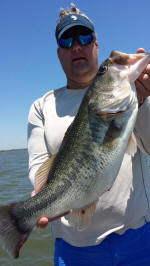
89, 158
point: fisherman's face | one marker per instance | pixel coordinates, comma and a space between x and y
79, 62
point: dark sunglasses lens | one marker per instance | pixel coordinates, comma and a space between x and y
65, 43
85, 39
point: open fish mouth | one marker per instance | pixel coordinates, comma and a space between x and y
132, 63
124, 69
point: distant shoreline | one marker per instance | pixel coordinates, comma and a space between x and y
13, 149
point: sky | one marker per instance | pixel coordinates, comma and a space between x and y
29, 66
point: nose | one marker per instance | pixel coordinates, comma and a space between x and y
76, 46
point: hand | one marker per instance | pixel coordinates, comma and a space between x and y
43, 221
143, 82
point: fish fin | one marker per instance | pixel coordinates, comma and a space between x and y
11, 238
81, 218
132, 145
41, 176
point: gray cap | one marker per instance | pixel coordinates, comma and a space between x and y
70, 21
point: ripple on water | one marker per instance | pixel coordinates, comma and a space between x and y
15, 186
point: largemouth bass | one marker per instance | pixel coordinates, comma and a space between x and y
89, 158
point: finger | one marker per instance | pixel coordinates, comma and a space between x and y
42, 222
147, 69
140, 50
142, 93
145, 76
144, 79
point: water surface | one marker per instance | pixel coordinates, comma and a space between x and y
15, 186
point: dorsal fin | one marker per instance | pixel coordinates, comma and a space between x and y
132, 145
42, 173
81, 218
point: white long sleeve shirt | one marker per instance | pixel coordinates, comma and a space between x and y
127, 204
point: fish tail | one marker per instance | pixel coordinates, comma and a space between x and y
12, 236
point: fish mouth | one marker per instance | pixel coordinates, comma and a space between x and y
134, 63
126, 59
125, 69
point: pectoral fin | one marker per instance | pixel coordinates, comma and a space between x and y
81, 218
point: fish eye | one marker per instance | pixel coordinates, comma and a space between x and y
102, 69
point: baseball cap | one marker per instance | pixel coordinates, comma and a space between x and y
70, 21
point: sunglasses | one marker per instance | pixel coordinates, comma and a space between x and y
82, 39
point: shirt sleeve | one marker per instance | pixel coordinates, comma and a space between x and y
142, 127
37, 148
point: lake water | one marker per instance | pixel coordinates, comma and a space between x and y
15, 186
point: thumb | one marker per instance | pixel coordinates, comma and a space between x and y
140, 50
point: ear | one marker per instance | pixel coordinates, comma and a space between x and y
97, 46
96, 43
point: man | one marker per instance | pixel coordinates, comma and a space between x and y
119, 233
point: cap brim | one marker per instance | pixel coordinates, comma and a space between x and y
71, 26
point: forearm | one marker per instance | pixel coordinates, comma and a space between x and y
37, 148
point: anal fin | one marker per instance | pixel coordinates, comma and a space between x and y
81, 218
